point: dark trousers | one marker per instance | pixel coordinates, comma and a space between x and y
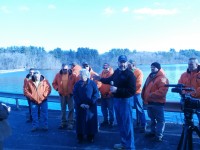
107, 109
81, 136
29, 108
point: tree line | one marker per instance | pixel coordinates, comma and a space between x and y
17, 57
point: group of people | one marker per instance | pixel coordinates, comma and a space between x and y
79, 88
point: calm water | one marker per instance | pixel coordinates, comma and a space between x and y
13, 82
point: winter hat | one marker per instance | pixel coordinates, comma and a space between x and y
131, 61
85, 63
157, 65
73, 64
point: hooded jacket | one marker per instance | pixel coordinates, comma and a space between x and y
28, 77
76, 71
191, 80
40, 93
139, 78
92, 74
154, 90
105, 88
58, 85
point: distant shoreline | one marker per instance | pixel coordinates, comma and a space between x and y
12, 70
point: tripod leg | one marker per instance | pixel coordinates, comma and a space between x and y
180, 141
183, 143
137, 118
190, 140
196, 129
183, 140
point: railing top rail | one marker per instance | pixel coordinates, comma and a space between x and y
169, 106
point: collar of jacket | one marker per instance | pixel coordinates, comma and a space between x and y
153, 74
41, 78
198, 69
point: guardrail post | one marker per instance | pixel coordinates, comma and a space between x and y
17, 104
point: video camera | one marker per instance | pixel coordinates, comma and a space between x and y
187, 101
189, 106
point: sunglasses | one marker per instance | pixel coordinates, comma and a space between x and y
36, 73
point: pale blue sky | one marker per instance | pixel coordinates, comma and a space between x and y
144, 25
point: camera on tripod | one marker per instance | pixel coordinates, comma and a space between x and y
187, 102
189, 105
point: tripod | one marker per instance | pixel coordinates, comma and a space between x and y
186, 141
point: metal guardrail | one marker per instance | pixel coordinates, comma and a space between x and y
169, 106
18, 96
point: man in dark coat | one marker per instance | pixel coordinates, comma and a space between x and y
123, 87
85, 96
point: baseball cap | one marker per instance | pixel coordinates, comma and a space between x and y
122, 58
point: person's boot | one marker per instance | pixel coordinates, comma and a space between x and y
104, 124
110, 124
29, 119
80, 138
142, 129
90, 138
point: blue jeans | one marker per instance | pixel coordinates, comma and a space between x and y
29, 108
140, 115
156, 114
1, 144
43, 114
107, 108
198, 116
123, 111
